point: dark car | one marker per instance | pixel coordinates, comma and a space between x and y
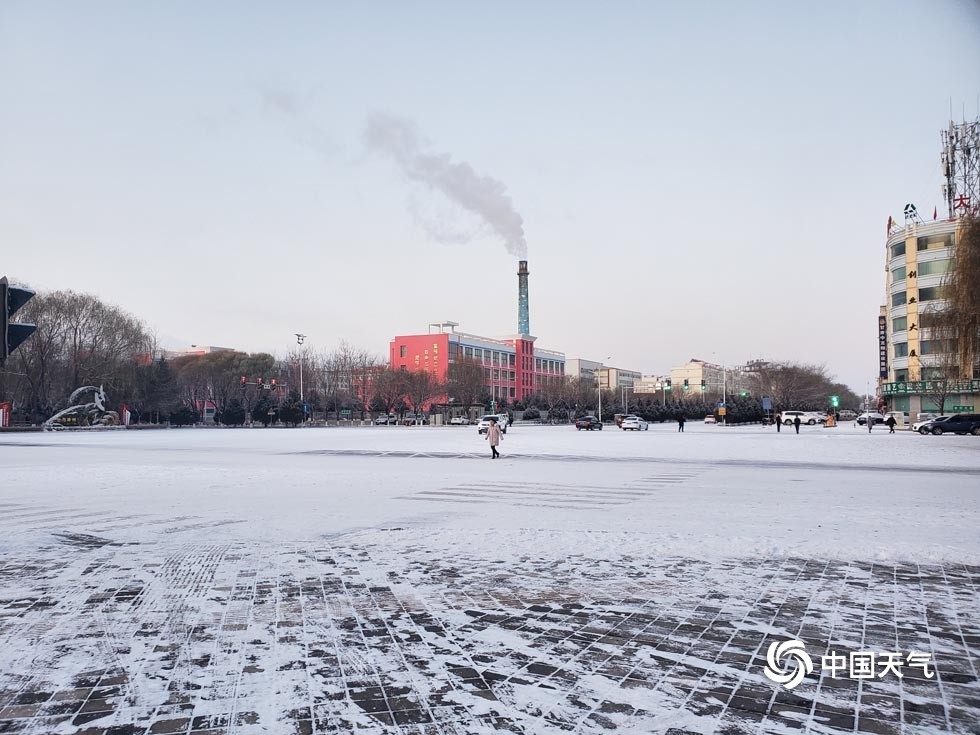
958, 423
588, 422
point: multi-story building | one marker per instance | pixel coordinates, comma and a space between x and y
576, 367
918, 367
611, 378
513, 366
693, 373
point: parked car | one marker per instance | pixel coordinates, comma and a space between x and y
818, 416
806, 417
634, 423
481, 428
900, 417
588, 422
877, 418
385, 420
710, 419
959, 423
459, 421
847, 414
923, 427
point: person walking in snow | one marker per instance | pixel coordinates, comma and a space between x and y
890, 422
680, 423
778, 418
796, 423
494, 436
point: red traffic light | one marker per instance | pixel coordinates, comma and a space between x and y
244, 380
273, 382
259, 382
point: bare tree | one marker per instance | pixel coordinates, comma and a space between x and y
421, 387
389, 388
466, 383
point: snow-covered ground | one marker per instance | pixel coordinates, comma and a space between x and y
396, 579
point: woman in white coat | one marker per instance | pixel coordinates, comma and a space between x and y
494, 436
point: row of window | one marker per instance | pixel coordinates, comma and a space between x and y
932, 242
928, 268
926, 347
932, 293
499, 374
927, 320
548, 366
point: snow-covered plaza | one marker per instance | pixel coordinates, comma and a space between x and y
397, 580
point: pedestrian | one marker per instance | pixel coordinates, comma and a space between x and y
494, 436
779, 422
871, 422
796, 423
680, 423
890, 421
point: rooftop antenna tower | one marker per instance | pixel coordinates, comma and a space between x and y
961, 167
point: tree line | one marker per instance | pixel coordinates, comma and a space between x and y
81, 340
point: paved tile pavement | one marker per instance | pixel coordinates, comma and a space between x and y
380, 632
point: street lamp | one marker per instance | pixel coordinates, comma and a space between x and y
299, 341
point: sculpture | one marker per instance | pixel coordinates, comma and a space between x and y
85, 414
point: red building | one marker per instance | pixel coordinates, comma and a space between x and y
513, 367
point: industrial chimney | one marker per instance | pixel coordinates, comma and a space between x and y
523, 314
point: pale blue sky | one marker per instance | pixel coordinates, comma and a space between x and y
696, 179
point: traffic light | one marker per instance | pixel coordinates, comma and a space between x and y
244, 381
12, 335
686, 386
668, 384
835, 401
743, 393
259, 382
273, 383
703, 386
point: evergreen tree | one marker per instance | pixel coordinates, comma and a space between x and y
260, 410
234, 413
291, 410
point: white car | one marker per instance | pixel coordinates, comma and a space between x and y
634, 423
710, 419
481, 428
459, 421
806, 417
385, 420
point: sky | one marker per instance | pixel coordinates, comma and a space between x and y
703, 179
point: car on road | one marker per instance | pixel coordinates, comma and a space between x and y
847, 415
710, 419
459, 421
634, 423
958, 423
481, 428
589, 423
385, 420
877, 418
806, 417
921, 426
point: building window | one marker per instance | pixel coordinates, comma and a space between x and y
933, 242
931, 294
898, 249
403, 368
403, 351
936, 346
901, 349
512, 393
898, 274
934, 267
513, 360
901, 376
900, 324
898, 298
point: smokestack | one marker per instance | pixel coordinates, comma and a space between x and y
523, 314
